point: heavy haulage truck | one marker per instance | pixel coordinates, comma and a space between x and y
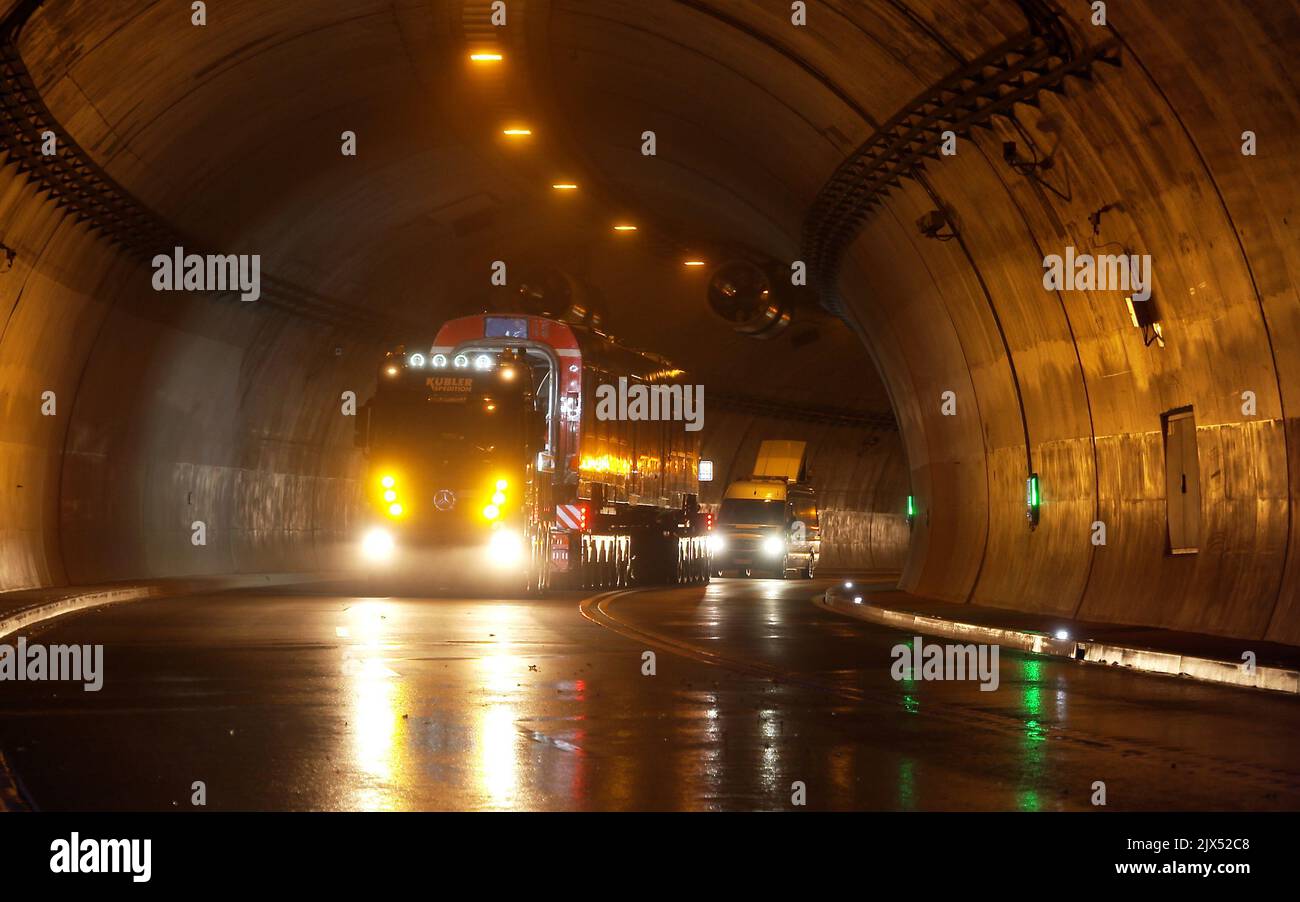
485, 460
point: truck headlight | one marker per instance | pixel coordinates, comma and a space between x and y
773, 546
716, 544
377, 545
505, 548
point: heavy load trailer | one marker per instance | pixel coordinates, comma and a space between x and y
486, 459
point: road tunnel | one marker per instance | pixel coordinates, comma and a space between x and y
721, 131
1012, 276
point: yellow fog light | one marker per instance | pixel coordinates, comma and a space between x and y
502, 485
388, 482
395, 510
491, 512
390, 495
499, 498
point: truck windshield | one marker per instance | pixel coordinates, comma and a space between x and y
745, 511
470, 426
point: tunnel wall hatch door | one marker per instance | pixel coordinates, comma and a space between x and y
1182, 483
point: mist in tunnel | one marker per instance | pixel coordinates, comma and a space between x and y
379, 172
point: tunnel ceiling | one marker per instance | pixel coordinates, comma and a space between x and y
188, 122
230, 132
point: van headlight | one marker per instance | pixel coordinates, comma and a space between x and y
716, 544
505, 548
377, 545
773, 546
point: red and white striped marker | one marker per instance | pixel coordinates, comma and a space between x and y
570, 515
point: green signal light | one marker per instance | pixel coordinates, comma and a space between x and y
1032, 499
911, 506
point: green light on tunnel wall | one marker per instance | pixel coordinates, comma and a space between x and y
911, 506
1032, 499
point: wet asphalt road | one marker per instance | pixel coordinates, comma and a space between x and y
304, 700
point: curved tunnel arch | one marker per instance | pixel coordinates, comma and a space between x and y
174, 408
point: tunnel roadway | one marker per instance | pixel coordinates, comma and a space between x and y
303, 699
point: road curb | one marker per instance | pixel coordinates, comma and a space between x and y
74, 599
1144, 660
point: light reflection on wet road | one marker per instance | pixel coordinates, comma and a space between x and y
312, 701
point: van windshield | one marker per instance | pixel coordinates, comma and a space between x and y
752, 511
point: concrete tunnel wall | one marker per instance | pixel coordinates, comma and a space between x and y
1159, 135
1163, 137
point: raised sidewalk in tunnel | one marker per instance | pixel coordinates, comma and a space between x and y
1151, 650
25, 608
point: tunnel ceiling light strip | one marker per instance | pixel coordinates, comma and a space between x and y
486, 57
517, 132
624, 228
565, 186
692, 263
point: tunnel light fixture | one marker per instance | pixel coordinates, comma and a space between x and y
1032, 500
486, 57
517, 132
911, 508
565, 186
624, 227
391, 370
1062, 635
692, 263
